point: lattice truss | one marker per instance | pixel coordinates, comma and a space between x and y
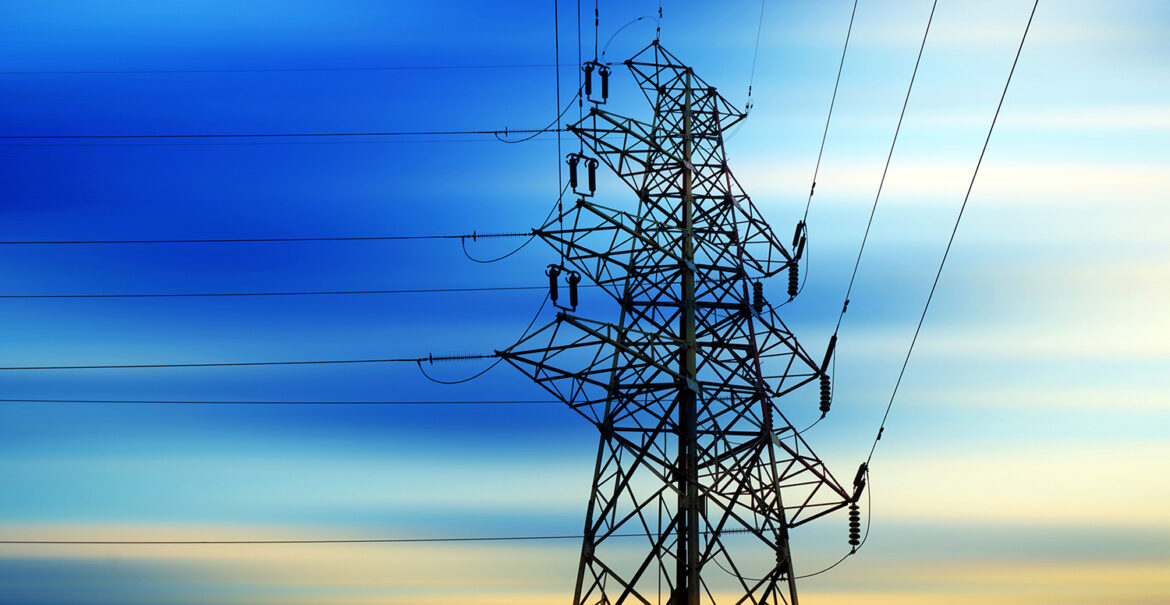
627, 377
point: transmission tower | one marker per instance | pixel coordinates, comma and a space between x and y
696, 459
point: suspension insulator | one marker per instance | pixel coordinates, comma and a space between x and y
552, 272
829, 354
588, 69
604, 72
574, 279
793, 279
826, 394
799, 238
854, 525
758, 297
591, 165
859, 480
573, 159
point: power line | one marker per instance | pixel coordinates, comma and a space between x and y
886, 169
557, 59
418, 360
549, 127
345, 541
472, 236
596, 27
665, 319
324, 541
274, 70
954, 230
868, 525
556, 206
605, 49
300, 293
399, 141
824, 137
499, 358
829, 117
430, 359
755, 55
385, 133
531, 133
303, 402
658, 27
279, 402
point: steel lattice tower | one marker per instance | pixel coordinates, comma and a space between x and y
694, 454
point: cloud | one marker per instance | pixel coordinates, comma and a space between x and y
1099, 482
925, 179
543, 573
917, 582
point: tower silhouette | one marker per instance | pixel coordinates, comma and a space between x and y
696, 466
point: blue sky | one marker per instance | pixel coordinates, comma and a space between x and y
1023, 461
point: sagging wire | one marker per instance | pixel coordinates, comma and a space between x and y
809, 427
732, 574
254, 135
463, 240
868, 508
463, 245
605, 49
252, 240
461, 381
553, 126
803, 281
854, 550
493, 364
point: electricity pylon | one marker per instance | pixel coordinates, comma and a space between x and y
696, 465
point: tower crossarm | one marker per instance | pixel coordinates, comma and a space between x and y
640, 155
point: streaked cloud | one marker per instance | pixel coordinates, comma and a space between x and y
1102, 482
923, 179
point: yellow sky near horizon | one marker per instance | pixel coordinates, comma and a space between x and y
539, 574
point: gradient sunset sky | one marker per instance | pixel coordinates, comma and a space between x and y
1025, 458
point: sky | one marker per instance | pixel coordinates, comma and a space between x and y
1024, 458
